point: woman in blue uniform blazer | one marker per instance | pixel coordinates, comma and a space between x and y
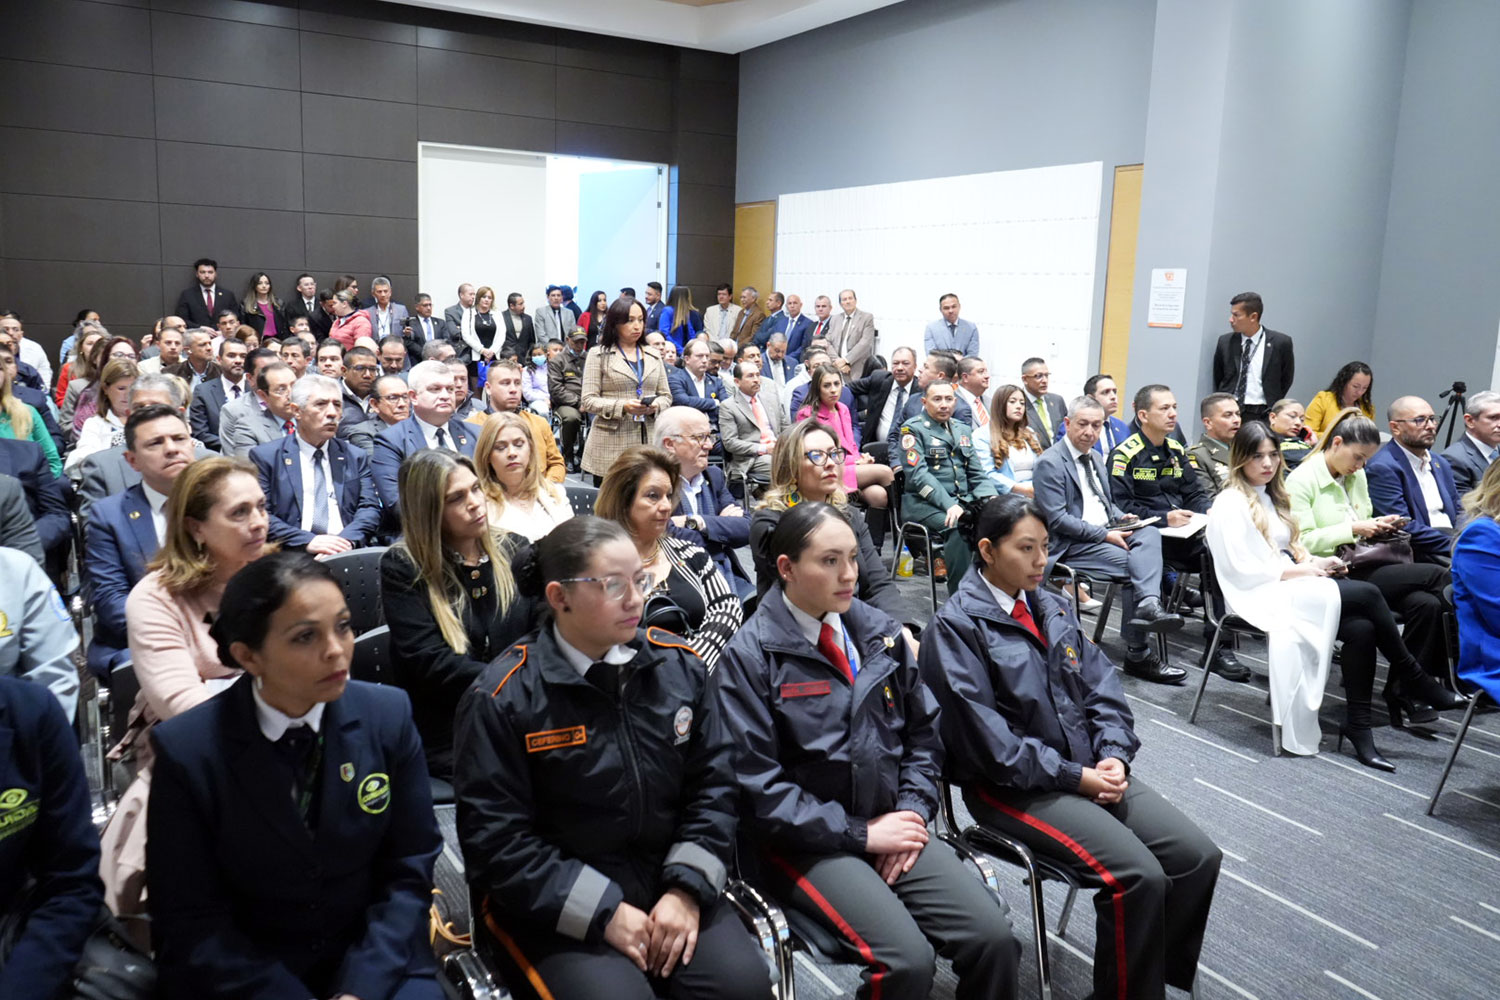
1040, 738
1476, 586
291, 833
838, 758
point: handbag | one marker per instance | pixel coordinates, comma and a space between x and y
110, 967
1365, 555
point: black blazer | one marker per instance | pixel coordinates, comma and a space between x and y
872, 393
520, 341
45, 493
426, 666
293, 308
1277, 365
244, 897
203, 411
191, 308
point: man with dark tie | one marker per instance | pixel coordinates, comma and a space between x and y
210, 396
1472, 455
459, 317
422, 328
775, 320
200, 304
1103, 388
319, 494
951, 332
778, 365
263, 414
431, 425
693, 384
553, 321
303, 303
1251, 362
853, 335
1045, 411
823, 320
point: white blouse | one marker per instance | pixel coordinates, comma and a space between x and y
1022, 460
1281, 535
545, 514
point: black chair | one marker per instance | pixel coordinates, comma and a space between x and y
1463, 730
1232, 625
358, 574
372, 657
581, 498
1068, 587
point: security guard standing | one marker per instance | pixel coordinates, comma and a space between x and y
942, 471
37, 639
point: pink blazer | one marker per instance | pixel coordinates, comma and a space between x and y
840, 421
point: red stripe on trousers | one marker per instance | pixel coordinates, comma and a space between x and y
822, 903
1088, 859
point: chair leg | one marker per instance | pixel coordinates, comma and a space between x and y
1463, 730
1110, 590
1208, 656
1067, 910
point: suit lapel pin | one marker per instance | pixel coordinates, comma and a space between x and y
135, 515
288, 461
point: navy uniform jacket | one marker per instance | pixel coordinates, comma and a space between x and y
278, 465
571, 800
209, 399
245, 902
46, 833
803, 734
393, 444
121, 540
1015, 714
44, 491
1149, 480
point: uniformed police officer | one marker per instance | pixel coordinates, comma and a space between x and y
1150, 476
37, 639
596, 795
942, 471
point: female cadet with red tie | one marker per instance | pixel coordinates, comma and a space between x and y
1040, 739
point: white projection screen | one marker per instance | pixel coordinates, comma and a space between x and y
1018, 247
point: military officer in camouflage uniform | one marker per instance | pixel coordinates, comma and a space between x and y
942, 468
1220, 412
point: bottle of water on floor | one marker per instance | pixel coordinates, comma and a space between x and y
904, 563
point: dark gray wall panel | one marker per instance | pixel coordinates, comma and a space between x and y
206, 48
476, 128
223, 113
45, 292
235, 237
75, 99
72, 31
704, 260
485, 83
577, 139
350, 185
703, 210
617, 55
706, 106
357, 67
229, 176
697, 64
500, 40
78, 229
585, 95
357, 27
353, 127
360, 244
36, 161
707, 159
233, 10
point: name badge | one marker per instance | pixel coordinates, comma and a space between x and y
556, 739
806, 689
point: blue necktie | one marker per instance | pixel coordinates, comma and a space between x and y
320, 495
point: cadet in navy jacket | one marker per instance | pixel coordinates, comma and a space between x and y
46, 834
282, 867
1040, 739
838, 757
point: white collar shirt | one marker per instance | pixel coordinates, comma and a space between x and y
692, 492
233, 390
888, 412
619, 655
1488, 451
1255, 392
273, 722
1006, 602
158, 504
1432, 497
429, 432
812, 629
1094, 511
305, 456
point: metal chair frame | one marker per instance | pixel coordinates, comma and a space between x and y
1463, 730
899, 539
1232, 624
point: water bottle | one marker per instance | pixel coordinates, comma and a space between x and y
904, 562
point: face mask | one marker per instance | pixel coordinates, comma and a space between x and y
540, 360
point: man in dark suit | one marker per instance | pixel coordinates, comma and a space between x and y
210, 396
125, 530
1045, 411
422, 328
1103, 389
692, 385
1252, 363
319, 494
387, 318
775, 321
654, 305
1407, 479
1473, 454
881, 397
431, 425
16, 528
519, 330
200, 304
460, 316
304, 303
706, 511
790, 323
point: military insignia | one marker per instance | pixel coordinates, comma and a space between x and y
346, 771
963, 440
375, 793
890, 643
135, 515
912, 458
908, 440
682, 724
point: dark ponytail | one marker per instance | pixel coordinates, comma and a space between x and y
564, 552
998, 518
255, 593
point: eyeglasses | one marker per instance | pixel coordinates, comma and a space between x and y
364, 369
820, 457
1425, 421
614, 585
701, 439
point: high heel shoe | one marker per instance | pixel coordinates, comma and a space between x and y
1363, 743
1431, 690
1398, 704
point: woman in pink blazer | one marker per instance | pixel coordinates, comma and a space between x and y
861, 471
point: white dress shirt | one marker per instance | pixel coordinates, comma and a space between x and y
429, 432
812, 629
619, 655
1006, 602
692, 492
230, 387
274, 722
778, 370
1431, 495
1255, 392
1094, 511
335, 518
382, 318
158, 504
888, 412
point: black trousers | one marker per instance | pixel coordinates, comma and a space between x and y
1415, 592
1186, 555
889, 927
1254, 411
727, 963
1155, 869
1366, 625
569, 420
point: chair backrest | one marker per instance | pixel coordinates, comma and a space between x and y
581, 498
372, 657
123, 689
358, 574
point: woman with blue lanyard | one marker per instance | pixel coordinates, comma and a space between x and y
624, 387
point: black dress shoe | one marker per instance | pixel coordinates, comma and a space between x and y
1228, 666
1150, 616
1150, 668
1192, 598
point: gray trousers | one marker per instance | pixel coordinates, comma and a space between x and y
889, 927
1155, 869
1139, 569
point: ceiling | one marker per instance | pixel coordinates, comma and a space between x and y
715, 25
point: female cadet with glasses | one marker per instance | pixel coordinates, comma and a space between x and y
1040, 739
838, 756
596, 796
292, 837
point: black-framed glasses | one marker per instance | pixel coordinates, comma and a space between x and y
701, 439
820, 457
364, 369
614, 585
1424, 421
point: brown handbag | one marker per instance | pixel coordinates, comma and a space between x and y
1368, 554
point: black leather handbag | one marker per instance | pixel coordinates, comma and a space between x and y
110, 968
1366, 555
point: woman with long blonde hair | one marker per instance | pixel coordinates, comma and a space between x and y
512, 474
21, 421
449, 597
1007, 446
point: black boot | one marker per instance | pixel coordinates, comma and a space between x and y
1357, 728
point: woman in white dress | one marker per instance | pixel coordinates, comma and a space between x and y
1269, 580
510, 469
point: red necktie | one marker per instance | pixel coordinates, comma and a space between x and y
1022, 614
289, 428
208, 301
829, 646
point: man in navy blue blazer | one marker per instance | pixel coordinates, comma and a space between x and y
211, 395
1408, 478
1102, 388
44, 493
707, 513
431, 425
1473, 454
126, 530
787, 320
293, 469
692, 385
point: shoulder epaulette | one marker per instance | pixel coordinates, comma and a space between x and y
1131, 446
1174, 443
512, 671
668, 640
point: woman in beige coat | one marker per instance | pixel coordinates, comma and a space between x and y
624, 386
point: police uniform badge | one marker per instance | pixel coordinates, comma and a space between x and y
908, 440
346, 771
682, 724
375, 793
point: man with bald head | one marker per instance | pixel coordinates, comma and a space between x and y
1406, 477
